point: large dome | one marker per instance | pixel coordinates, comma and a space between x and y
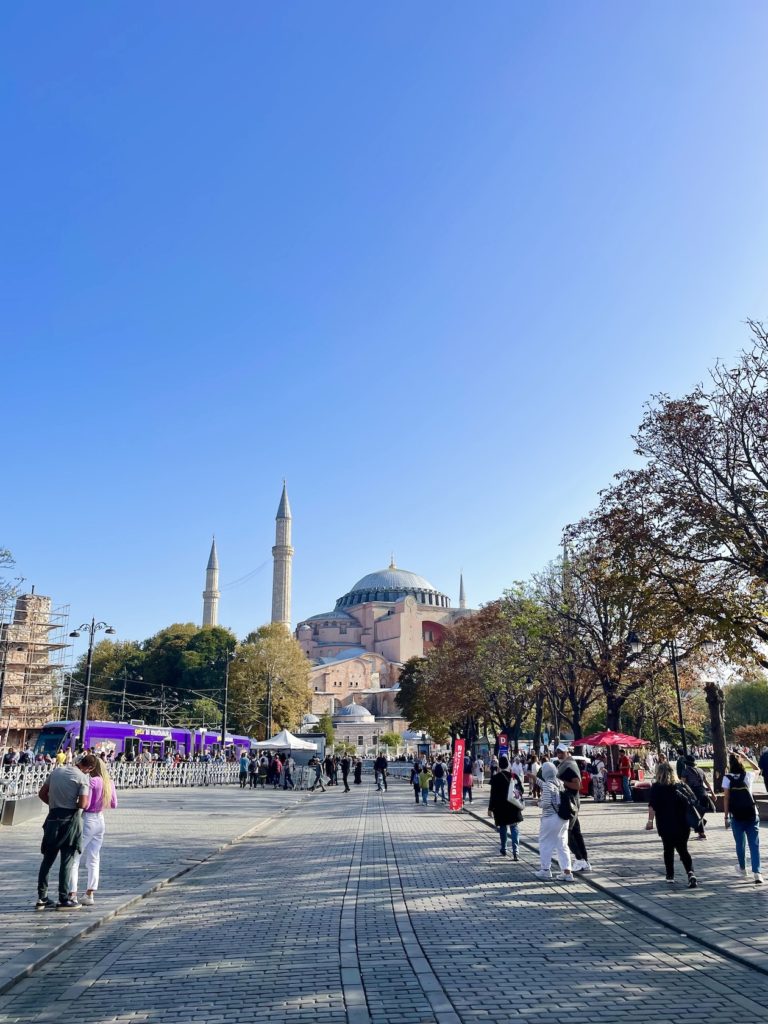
390, 585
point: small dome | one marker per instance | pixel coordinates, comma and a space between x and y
356, 711
310, 720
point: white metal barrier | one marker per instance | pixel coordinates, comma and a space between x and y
25, 780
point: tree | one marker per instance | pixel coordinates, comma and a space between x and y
325, 725
7, 587
204, 712
414, 700
390, 739
754, 736
700, 502
746, 702
115, 667
269, 662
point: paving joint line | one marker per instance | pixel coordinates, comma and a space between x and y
11, 975
626, 901
438, 995
353, 987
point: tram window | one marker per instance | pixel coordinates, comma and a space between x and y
170, 747
131, 746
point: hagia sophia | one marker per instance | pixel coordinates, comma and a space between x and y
357, 649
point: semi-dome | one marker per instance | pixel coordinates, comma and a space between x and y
337, 615
390, 585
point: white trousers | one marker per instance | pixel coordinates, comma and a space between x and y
93, 837
553, 839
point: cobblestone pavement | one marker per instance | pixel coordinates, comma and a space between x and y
361, 908
150, 837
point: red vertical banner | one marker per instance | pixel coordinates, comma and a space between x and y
457, 777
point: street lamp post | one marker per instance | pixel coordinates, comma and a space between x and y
92, 628
673, 658
228, 658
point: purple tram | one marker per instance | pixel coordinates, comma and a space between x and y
133, 739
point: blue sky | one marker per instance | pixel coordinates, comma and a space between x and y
426, 261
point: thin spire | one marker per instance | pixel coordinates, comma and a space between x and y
462, 594
213, 558
284, 509
392, 564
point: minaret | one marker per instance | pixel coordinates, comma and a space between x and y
282, 554
211, 593
462, 595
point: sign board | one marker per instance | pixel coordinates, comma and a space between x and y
457, 777
503, 745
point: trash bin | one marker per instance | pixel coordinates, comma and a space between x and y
614, 784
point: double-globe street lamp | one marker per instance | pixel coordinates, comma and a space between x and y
91, 628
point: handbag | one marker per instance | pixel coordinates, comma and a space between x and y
512, 797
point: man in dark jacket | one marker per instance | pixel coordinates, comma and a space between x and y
505, 815
569, 773
380, 771
345, 765
67, 792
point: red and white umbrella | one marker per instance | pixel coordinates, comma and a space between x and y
608, 738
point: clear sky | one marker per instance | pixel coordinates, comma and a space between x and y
424, 260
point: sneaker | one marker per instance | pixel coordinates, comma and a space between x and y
86, 900
562, 877
45, 904
503, 853
692, 883
583, 866
670, 880
702, 836
68, 905
758, 878
740, 871
543, 874
514, 855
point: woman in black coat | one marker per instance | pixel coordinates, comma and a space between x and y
670, 811
506, 816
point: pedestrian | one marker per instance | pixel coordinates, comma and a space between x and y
494, 766
102, 797
625, 768
243, 776
668, 808
277, 771
253, 771
329, 769
599, 781
569, 773
744, 820
466, 782
345, 764
289, 767
438, 779
358, 771
425, 777
67, 792
380, 772
763, 766
414, 779
478, 772
263, 771
696, 781
315, 762
506, 815
553, 829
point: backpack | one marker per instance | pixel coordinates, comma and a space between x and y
566, 809
688, 797
741, 803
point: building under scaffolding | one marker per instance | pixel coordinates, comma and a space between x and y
32, 650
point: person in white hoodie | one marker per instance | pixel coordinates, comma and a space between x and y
553, 830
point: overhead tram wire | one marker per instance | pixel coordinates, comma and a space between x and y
246, 578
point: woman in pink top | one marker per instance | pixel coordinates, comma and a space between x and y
102, 796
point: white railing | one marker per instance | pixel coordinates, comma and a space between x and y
25, 780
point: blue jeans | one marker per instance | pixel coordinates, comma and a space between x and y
749, 830
514, 834
626, 788
425, 795
439, 789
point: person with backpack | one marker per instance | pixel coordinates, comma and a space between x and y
553, 829
438, 775
506, 815
425, 777
696, 781
669, 807
415, 782
741, 813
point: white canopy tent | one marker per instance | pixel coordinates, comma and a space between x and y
284, 740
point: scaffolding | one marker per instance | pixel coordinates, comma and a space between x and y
32, 656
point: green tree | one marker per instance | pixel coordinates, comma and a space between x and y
390, 739
746, 702
270, 660
325, 725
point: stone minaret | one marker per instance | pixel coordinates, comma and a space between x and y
282, 555
211, 593
462, 595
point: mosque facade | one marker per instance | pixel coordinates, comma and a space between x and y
357, 649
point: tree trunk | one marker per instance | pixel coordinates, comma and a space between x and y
539, 716
715, 701
613, 706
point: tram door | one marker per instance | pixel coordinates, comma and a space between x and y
169, 748
131, 747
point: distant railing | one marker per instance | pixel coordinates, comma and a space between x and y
26, 779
